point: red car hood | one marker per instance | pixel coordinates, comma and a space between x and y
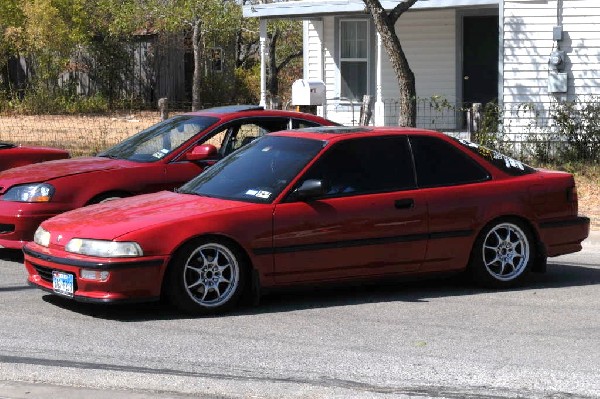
114, 218
44, 171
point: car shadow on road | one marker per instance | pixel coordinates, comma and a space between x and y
11, 255
303, 298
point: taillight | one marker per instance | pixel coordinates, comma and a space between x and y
572, 194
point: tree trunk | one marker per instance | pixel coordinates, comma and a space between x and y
385, 25
198, 58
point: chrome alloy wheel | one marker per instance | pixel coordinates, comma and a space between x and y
211, 275
506, 251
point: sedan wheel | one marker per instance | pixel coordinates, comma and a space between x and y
502, 255
205, 277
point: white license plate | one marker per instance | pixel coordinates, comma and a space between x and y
62, 283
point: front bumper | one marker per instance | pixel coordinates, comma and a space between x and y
129, 280
18, 221
564, 236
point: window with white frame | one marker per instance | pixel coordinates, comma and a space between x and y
354, 57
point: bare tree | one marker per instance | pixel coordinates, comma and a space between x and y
273, 66
385, 24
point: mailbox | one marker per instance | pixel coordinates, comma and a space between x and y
308, 92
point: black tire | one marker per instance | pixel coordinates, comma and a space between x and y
502, 255
105, 198
206, 276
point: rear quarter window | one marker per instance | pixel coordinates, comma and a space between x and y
439, 163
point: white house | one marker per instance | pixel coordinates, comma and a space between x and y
461, 51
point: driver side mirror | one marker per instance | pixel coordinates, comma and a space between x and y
311, 188
202, 152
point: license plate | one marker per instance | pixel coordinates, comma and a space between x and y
62, 283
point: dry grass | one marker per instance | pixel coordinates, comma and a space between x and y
85, 135
588, 191
80, 135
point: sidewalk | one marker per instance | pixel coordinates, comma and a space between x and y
26, 390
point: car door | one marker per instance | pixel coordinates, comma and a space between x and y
371, 221
454, 187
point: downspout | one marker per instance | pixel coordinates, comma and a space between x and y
379, 118
263, 60
501, 55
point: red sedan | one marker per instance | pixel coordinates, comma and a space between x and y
311, 206
161, 157
12, 155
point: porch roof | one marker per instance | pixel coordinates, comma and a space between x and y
315, 8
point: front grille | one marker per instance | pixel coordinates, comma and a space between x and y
46, 274
6, 228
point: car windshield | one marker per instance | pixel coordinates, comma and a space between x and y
503, 162
257, 172
159, 140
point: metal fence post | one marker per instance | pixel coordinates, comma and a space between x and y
163, 107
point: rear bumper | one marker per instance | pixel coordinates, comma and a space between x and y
564, 236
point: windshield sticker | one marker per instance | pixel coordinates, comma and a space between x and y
161, 153
263, 194
259, 193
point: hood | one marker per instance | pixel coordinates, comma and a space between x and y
112, 219
5, 147
45, 171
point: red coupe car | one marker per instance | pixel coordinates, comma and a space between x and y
12, 155
310, 206
161, 157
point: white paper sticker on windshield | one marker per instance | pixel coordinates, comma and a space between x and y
252, 192
161, 153
263, 194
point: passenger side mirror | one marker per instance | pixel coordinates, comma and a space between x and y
309, 189
202, 152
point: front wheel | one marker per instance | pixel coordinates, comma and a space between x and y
502, 255
205, 277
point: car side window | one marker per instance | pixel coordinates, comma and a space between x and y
242, 133
301, 124
439, 163
366, 165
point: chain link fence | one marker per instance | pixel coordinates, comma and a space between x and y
534, 132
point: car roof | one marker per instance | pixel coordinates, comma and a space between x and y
233, 111
336, 133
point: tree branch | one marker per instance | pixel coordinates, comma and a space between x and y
399, 10
289, 59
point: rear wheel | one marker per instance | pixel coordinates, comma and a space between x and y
502, 255
206, 276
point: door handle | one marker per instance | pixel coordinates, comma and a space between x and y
405, 203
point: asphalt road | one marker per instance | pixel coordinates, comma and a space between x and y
428, 339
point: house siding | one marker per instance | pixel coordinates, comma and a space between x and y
527, 44
429, 41
313, 62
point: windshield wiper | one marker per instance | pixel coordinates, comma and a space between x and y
105, 155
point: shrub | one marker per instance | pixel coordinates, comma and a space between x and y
578, 123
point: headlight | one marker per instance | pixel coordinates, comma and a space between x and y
42, 237
103, 248
36, 192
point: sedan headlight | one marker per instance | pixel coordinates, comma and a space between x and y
35, 192
104, 248
42, 237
